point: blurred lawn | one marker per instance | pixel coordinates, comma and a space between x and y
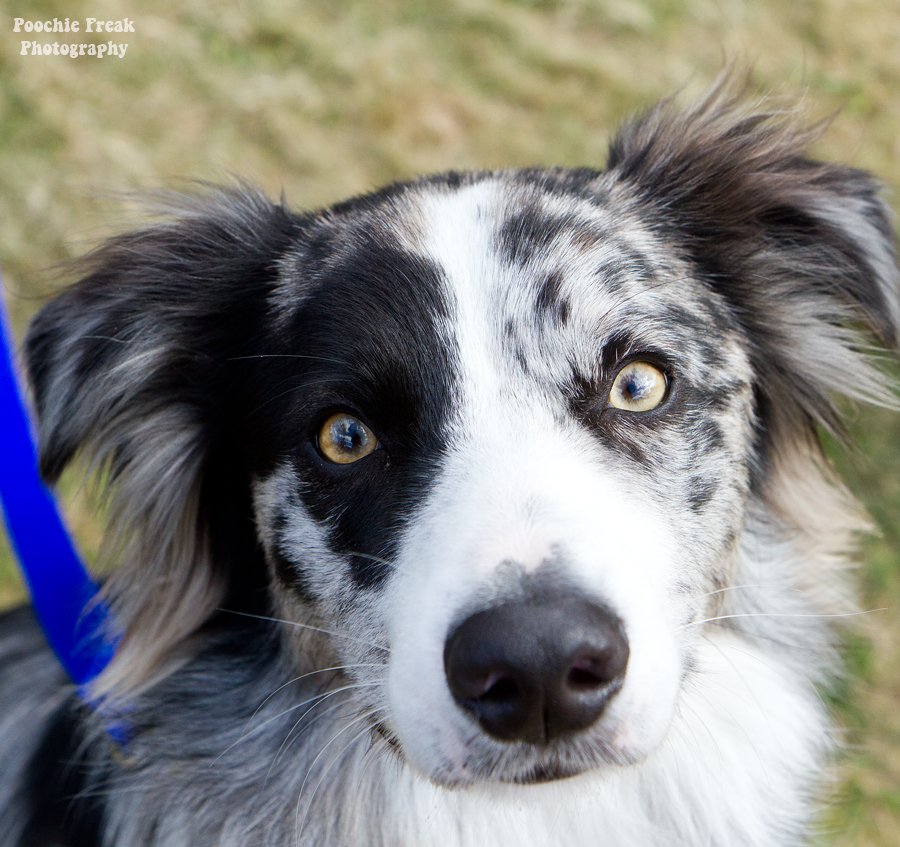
325, 99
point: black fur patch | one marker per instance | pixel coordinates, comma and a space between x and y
623, 268
63, 794
709, 435
700, 493
530, 232
550, 301
364, 339
292, 576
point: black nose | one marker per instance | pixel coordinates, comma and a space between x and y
535, 669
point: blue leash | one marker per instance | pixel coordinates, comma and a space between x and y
77, 623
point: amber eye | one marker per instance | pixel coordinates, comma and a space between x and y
343, 439
638, 387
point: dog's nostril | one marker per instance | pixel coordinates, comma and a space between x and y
501, 690
584, 674
535, 669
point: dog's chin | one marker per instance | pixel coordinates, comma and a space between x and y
546, 773
535, 775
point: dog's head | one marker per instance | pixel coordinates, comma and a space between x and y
497, 436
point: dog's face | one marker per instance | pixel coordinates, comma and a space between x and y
495, 437
511, 448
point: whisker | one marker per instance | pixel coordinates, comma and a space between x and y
625, 299
435, 810
772, 667
247, 735
308, 626
309, 674
780, 615
105, 338
297, 823
336, 759
330, 711
307, 384
288, 356
386, 562
731, 588
370, 556
288, 742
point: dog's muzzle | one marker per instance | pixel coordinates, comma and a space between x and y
538, 668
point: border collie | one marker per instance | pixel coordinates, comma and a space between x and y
485, 509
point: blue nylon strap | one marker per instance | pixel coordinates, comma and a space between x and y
77, 623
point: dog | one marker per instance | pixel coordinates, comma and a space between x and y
485, 509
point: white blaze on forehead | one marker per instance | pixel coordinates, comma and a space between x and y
460, 239
461, 235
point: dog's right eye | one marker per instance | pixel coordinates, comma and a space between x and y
638, 387
344, 439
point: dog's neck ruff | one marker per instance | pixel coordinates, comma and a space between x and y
77, 623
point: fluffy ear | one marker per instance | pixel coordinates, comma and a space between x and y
135, 367
804, 251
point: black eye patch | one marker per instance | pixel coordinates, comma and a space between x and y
365, 344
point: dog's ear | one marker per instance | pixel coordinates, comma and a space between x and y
804, 251
136, 368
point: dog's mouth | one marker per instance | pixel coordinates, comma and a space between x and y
380, 729
546, 773
522, 764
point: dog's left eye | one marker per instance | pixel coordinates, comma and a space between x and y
638, 387
343, 439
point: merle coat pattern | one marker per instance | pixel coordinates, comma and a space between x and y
526, 605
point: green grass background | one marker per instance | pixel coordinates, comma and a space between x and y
326, 99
